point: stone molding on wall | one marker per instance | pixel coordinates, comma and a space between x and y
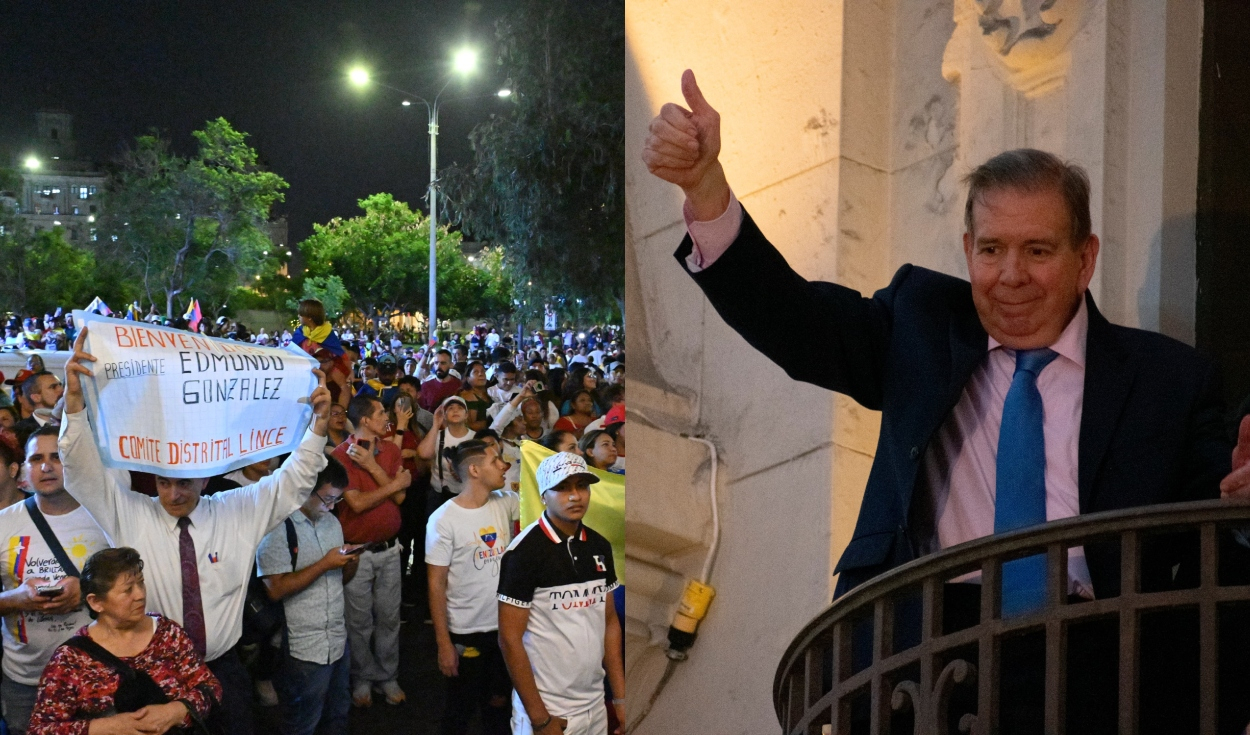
1026, 42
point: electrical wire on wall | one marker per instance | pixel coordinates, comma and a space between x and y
695, 599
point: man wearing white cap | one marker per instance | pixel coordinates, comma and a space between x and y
557, 626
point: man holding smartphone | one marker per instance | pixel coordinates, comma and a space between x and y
41, 603
370, 515
313, 678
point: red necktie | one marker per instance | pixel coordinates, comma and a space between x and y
192, 605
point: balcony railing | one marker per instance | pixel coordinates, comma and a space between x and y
827, 678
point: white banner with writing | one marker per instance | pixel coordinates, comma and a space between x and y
179, 404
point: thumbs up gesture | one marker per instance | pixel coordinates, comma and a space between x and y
682, 148
1237, 484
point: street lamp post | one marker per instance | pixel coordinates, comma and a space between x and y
464, 63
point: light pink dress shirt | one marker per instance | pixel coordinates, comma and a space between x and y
956, 492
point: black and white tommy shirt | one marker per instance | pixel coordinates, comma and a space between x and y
565, 583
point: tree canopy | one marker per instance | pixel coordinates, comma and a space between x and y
41, 270
381, 259
193, 224
547, 178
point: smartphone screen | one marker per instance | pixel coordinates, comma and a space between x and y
51, 591
364, 443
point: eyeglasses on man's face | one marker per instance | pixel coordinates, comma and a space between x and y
330, 503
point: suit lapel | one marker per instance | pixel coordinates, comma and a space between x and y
1109, 371
969, 343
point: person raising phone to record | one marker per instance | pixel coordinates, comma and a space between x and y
369, 514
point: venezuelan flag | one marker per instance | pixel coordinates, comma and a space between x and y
606, 513
194, 316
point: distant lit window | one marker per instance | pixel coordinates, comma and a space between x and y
94, 236
1, 230
56, 209
75, 209
86, 192
114, 238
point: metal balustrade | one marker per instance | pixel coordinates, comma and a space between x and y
817, 682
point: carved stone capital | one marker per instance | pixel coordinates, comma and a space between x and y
1026, 42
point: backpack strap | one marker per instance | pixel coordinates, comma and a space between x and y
292, 541
442, 433
58, 551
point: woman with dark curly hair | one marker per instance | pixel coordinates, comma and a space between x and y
128, 671
582, 377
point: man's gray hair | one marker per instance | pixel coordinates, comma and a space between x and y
1031, 170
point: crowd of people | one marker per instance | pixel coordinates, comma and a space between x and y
399, 504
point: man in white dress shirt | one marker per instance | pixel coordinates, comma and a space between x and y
220, 533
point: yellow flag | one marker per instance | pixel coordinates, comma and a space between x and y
606, 513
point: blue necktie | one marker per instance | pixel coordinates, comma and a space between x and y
1020, 493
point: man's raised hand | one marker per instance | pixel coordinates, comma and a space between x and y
320, 398
1237, 484
683, 147
74, 370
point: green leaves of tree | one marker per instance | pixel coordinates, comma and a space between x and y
42, 271
192, 225
382, 258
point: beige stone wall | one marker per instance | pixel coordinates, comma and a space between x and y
846, 129
776, 66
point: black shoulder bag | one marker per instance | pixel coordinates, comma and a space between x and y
263, 617
135, 689
44, 530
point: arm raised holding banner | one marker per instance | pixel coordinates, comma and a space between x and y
270, 500
94, 486
257, 507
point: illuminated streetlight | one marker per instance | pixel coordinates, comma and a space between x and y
463, 63
504, 93
32, 163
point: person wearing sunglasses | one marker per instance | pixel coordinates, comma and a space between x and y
314, 676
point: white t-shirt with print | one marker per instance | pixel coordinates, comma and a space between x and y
31, 637
470, 542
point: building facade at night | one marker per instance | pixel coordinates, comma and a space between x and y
58, 188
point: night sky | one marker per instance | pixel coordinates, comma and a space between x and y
275, 70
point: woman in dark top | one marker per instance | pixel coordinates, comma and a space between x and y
79, 692
475, 396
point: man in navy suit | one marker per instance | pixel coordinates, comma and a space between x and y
935, 353
1128, 417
